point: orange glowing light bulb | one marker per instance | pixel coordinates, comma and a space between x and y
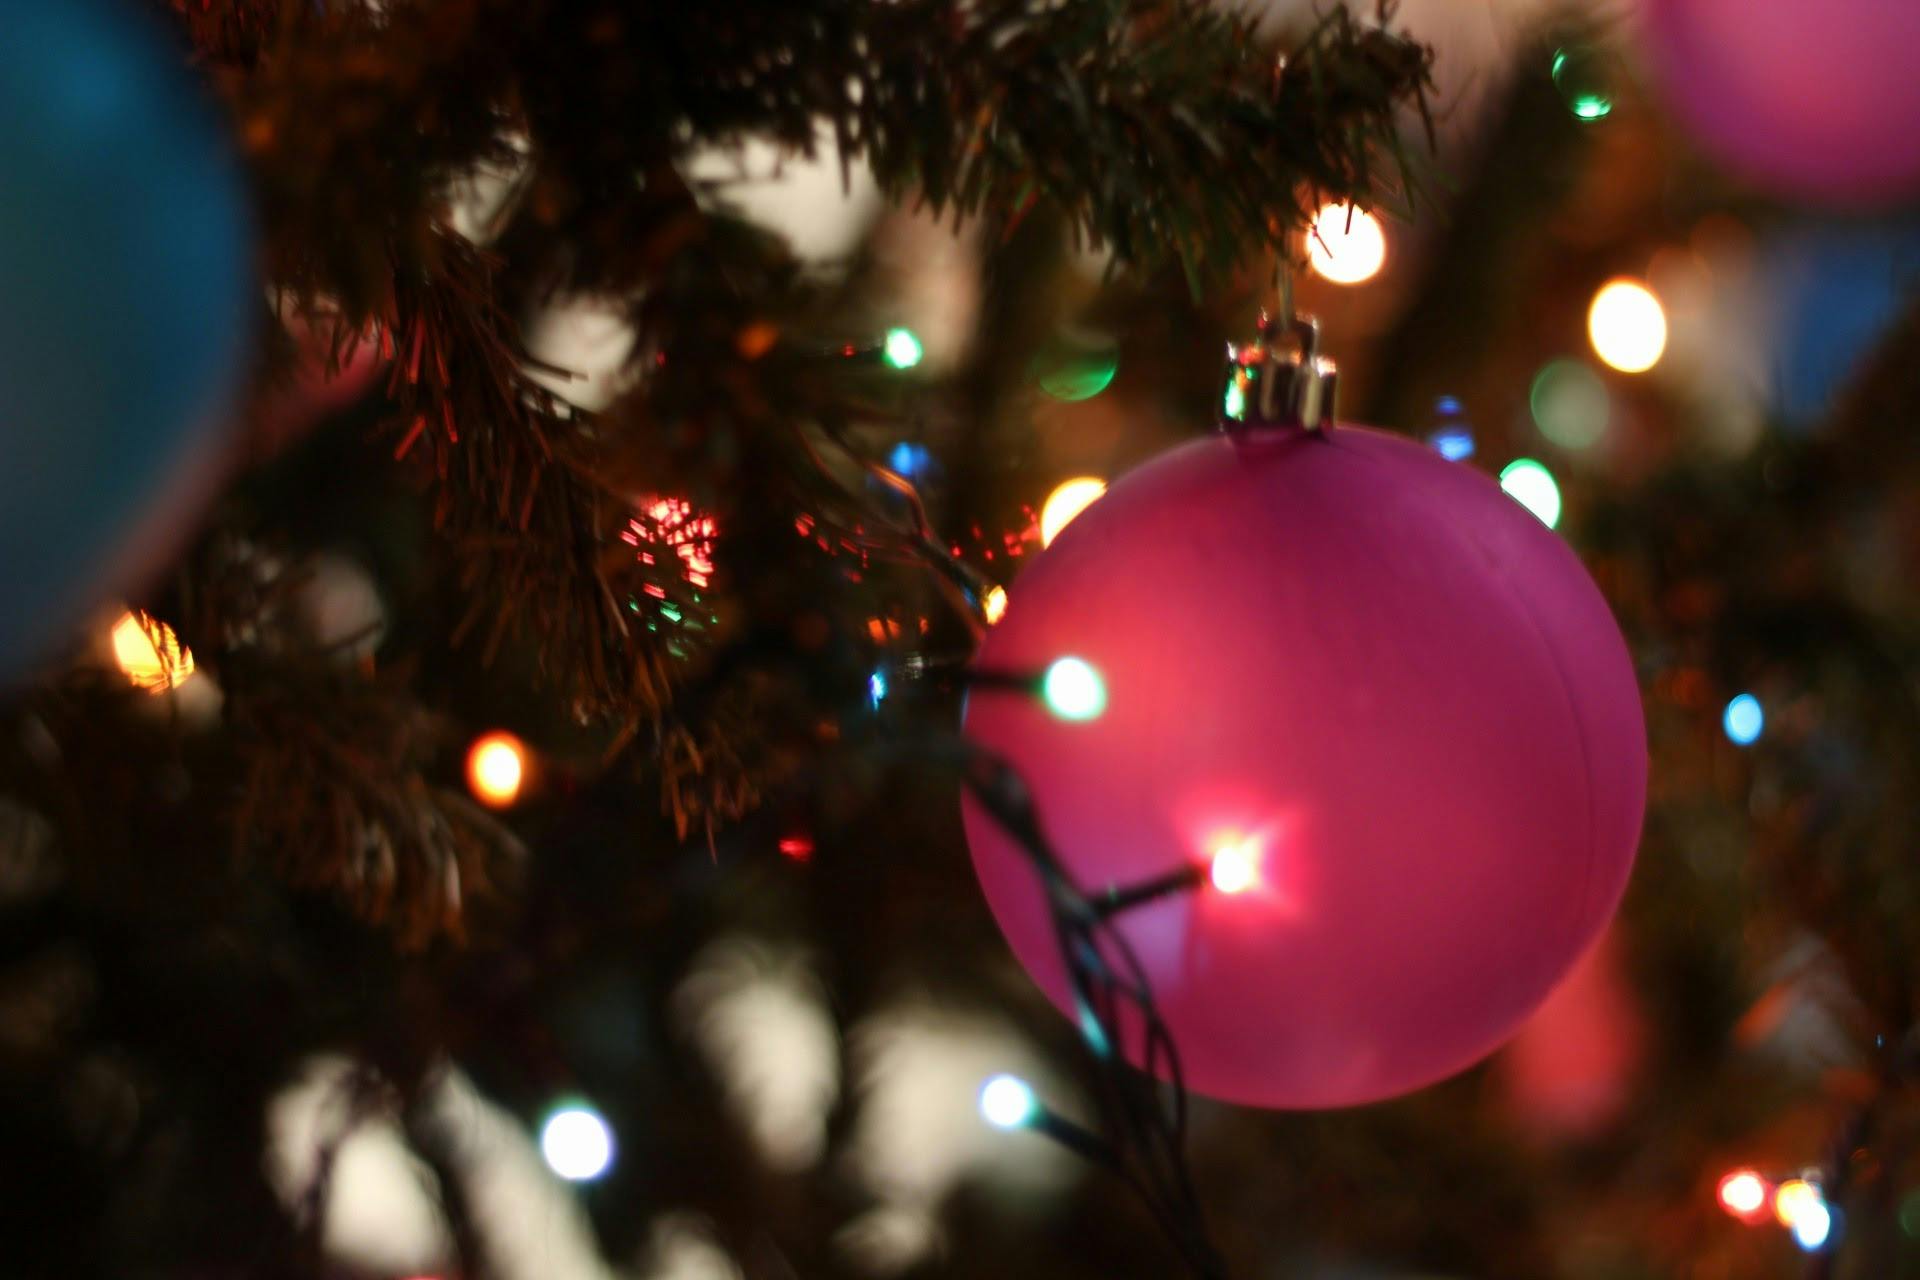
149, 654
496, 769
1346, 245
1795, 1197
993, 605
1068, 500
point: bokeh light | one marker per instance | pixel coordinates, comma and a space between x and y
149, 654
1910, 1215
1627, 325
1008, 1102
993, 605
909, 458
1234, 862
1531, 485
877, 688
1813, 1226
1743, 719
1074, 690
902, 348
1346, 245
1743, 1193
1795, 1198
1569, 403
1068, 499
496, 769
1452, 435
576, 1143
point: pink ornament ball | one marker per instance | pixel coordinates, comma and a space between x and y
1813, 101
1377, 694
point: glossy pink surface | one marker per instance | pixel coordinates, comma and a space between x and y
1392, 679
1818, 101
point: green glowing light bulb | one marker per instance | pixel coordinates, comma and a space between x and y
902, 349
1234, 405
1531, 485
1585, 78
1074, 690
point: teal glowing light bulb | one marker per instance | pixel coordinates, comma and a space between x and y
902, 348
1074, 690
1743, 720
1008, 1102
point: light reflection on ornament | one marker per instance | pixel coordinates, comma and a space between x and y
673, 522
496, 769
1531, 485
576, 1143
149, 654
1074, 690
1068, 499
1627, 325
1346, 245
1743, 720
1743, 1193
993, 605
1008, 1102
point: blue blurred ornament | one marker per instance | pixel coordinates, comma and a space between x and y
125, 284
1836, 287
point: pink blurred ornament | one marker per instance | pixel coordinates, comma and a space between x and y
317, 388
1374, 677
1813, 101
1568, 1070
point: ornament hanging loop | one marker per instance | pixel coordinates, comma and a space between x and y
1280, 381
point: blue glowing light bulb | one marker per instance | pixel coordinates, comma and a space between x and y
1008, 1102
1812, 1225
909, 458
